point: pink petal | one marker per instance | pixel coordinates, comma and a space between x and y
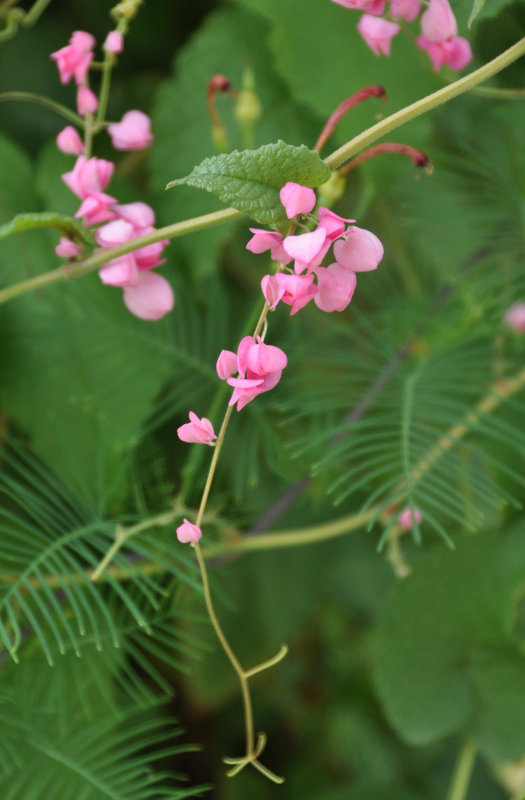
114, 42
120, 271
360, 251
133, 132
226, 364
377, 33
408, 517
438, 21
152, 298
66, 248
188, 533
69, 141
297, 199
336, 287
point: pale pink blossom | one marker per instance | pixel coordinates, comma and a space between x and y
114, 42
377, 33
96, 207
141, 215
308, 249
147, 257
67, 248
297, 199
405, 9
438, 21
515, 317
336, 286
262, 241
114, 233
151, 298
89, 176
87, 102
121, 271
455, 52
74, 59
360, 250
297, 290
133, 132
188, 533
227, 364
271, 290
197, 431
260, 367
409, 517
69, 141
369, 6
331, 223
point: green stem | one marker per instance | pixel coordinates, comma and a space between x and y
96, 260
109, 60
36, 10
462, 772
338, 158
58, 108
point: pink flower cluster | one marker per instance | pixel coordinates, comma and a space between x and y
146, 294
354, 250
514, 317
438, 29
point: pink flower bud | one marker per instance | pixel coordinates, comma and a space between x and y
66, 248
87, 102
187, 533
114, 233
308, 249
197, 431
69, 141
297, 290
377, 33
336, 287
455, 52
227, 365
271, 290
515, 317
95, 208
297, 199
141, 215
74, 60
360, 250
151, 298
408, 517
260, 367
133, 132
114, 42
121, 271
405, 9
438, 21
370, 6
333, 224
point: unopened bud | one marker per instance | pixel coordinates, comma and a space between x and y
248, 108
125, 10
330, 192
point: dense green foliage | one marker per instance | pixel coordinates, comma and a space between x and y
412, 396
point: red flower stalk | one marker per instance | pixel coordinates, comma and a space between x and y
219, 83
419, 158
346, 105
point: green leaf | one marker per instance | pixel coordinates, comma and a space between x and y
250, 180
25, 222
446, 659
476, 9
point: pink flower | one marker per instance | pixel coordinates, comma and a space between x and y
198, 431
121, 271
260, 368
262, 241
408, 517
455, 52
438, 21
69, 141
336, 287
87, 102
151, 298
377, 33
331, 223
515, 317
308, 249
271, 290
133, 132
147, 257
139, 214
405, 9
74, 59
370, 6
66, 248
88, 176
297, 290
114, 42
360, 250
187, 533
95, 208
297, 199
226, 364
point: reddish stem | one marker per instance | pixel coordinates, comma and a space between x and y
346, 105
219, 83
419, 158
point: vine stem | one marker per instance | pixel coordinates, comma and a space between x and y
338, 158
58, 108
462, 772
